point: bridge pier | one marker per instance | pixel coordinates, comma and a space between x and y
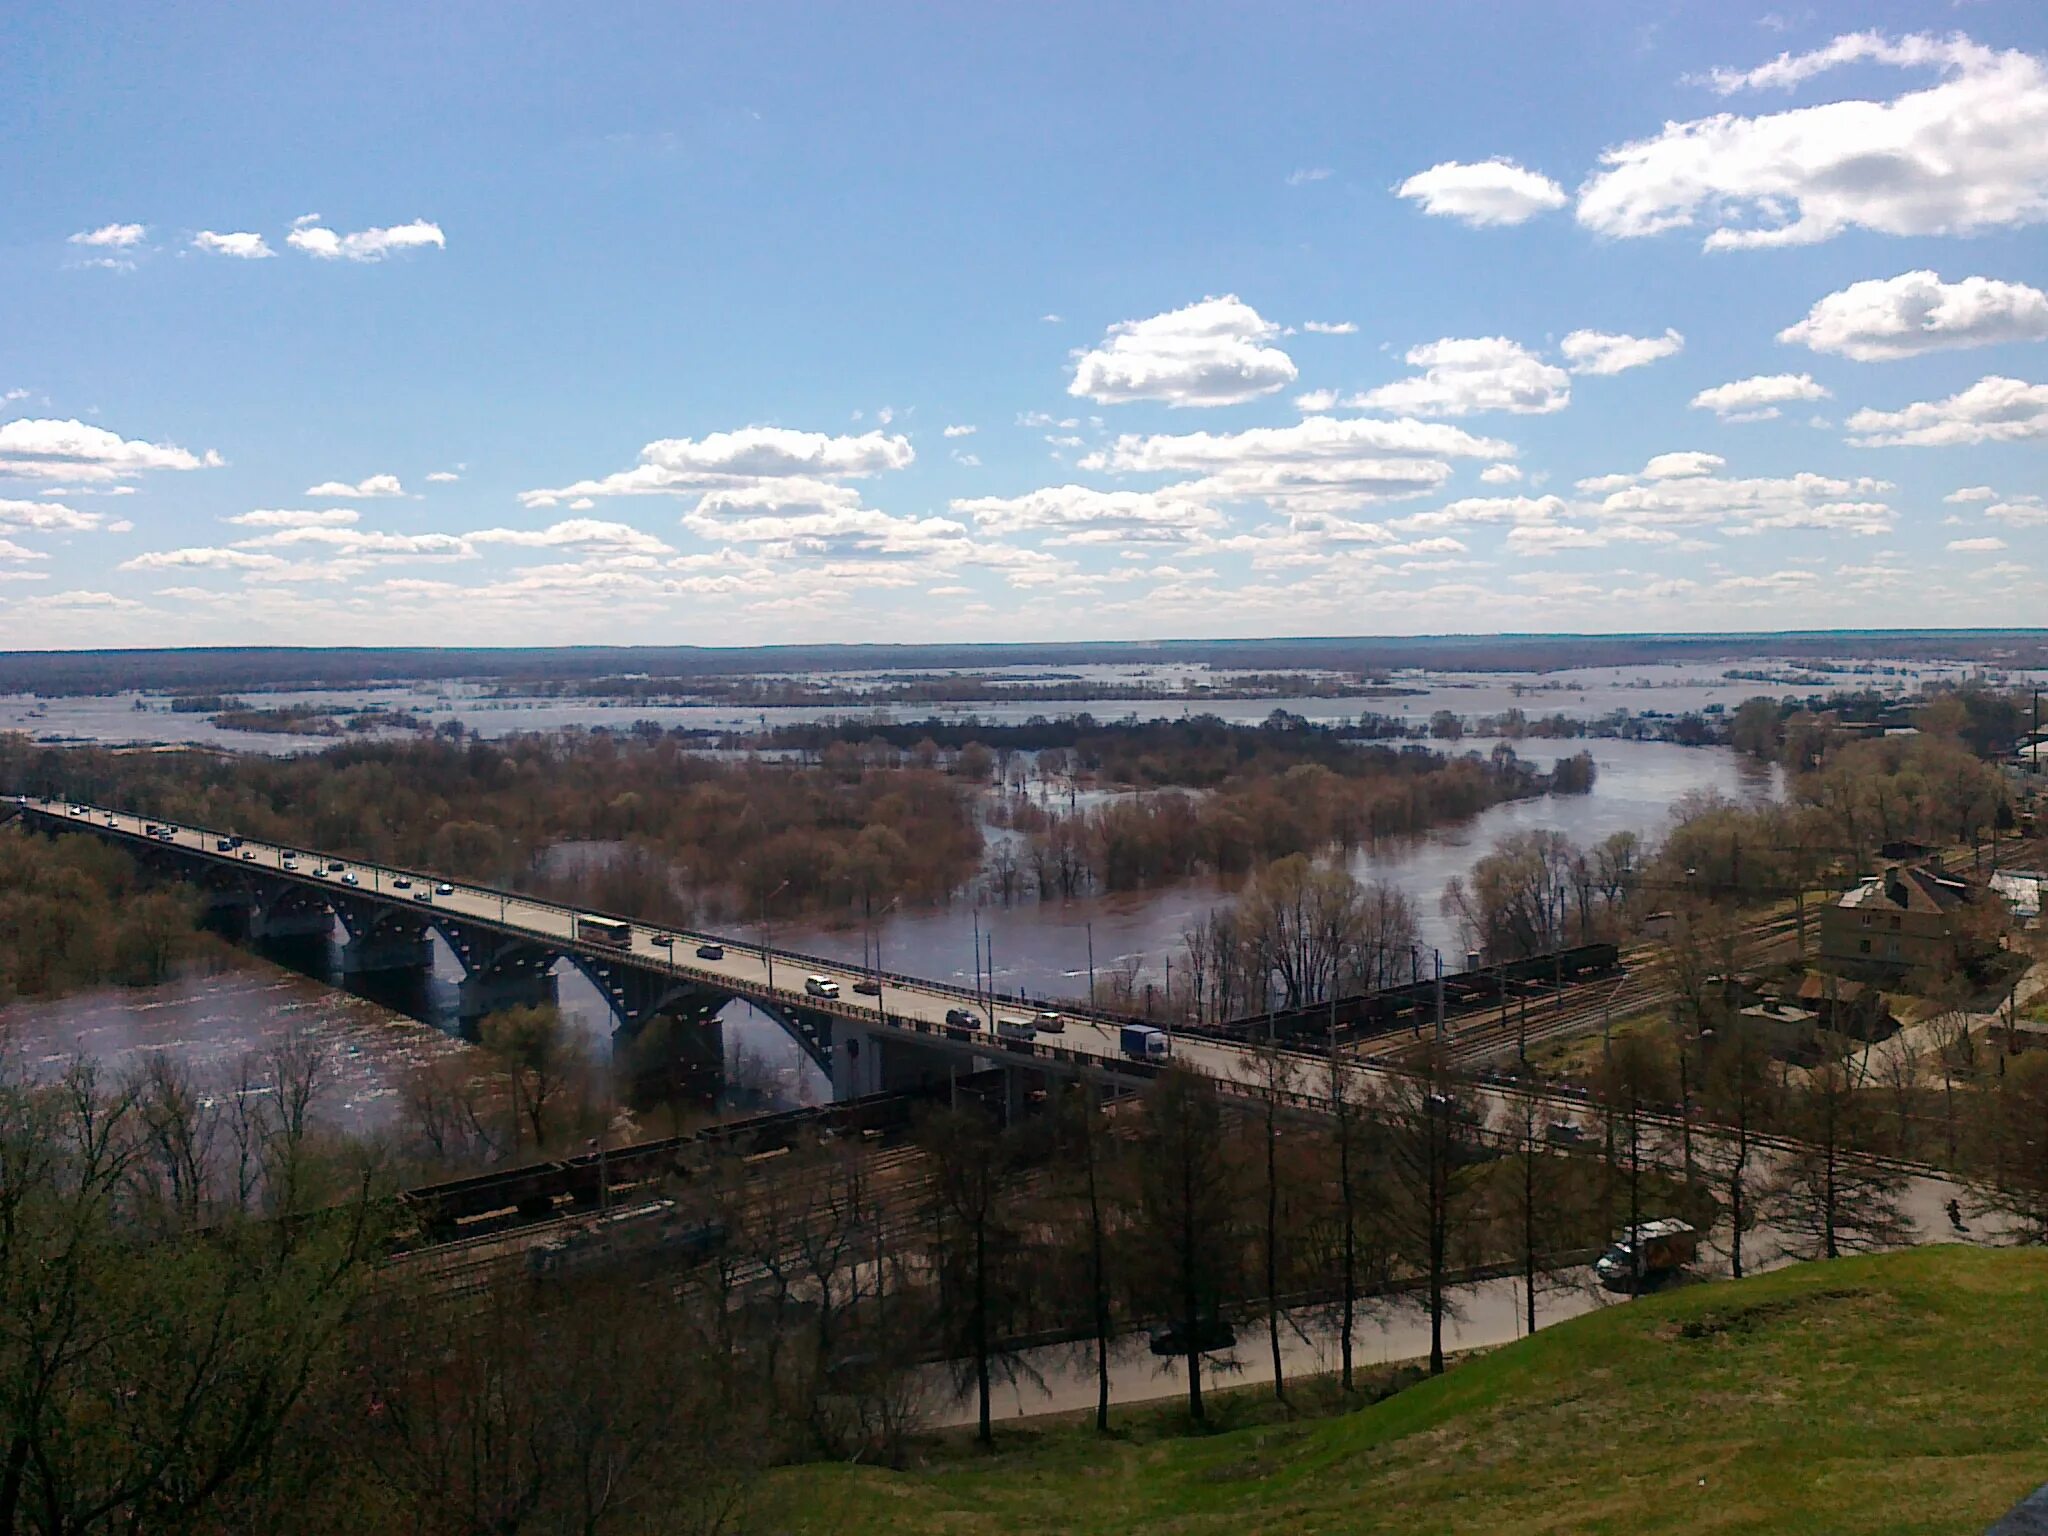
385, 952
676, 1055
868, 1059
289, 921
482, 993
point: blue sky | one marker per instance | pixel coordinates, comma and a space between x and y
525, 324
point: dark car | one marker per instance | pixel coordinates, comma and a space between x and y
710, 951
959, 1021
867, 986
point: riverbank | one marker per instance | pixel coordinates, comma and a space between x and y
1770, 1404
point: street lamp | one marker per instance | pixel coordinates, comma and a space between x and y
767, 954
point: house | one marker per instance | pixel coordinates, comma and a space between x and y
1910, 918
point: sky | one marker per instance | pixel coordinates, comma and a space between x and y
734, 325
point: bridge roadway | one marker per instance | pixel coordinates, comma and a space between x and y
907, 1010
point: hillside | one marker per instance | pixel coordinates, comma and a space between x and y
1894, 1394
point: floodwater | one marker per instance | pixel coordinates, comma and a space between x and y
209, 1023
1040, 949
1582, 693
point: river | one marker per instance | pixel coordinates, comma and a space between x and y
1038, 948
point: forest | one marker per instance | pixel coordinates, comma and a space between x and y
847, 827
75, 914
263, 1357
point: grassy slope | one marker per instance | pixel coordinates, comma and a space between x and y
1904, 1393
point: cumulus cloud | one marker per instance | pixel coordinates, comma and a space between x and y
1099, 516
1549, 538
2019, 512
1210, 353
1500, 474
1487, 192
115, 237
1970, 493
1605, 352
578, 533
1758, 398
443, 477
45, 517
363, 244
1307, 174
289, 517
729, 460
370, 486
1966, 154
1680, 490
1992, 410
1463, 375
1320, 463
200, 560
961, 429
1331, 327
1882, 319
71, 450
1983, 546
241, 244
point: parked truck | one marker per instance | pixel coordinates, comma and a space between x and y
1142, 1042
1647, 1255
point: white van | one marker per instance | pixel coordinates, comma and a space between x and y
1010, 1027
821, 986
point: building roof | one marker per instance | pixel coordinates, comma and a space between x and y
1910, 888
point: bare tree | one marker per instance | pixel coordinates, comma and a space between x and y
1830, 1196
1187, 1255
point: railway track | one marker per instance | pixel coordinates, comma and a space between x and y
1479, 1041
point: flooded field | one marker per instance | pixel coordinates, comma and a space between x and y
1584, 693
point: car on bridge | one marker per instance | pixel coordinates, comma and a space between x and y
960, 1024
401, 883
867, 986
663, 941
423, 895
821, 986
710, 951
444, 889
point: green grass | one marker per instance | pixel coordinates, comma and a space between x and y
1907, 1393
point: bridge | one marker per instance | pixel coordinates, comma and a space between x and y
871, 1031
903, 1033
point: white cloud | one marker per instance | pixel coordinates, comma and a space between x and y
287, 517
1307, 174
1967, 154
728, 460
1500, 474
369, 486
1210, 353
1320, 463
1467, 374
200, 560
363, 541
1683, 490
71, 450
1314, 401
961, 429
1605, 352
1110, 516
1882, 319
240, 244
576, 532
1984, 546
1683, 465
443, 477
1970, 493
1471, 511
1494, 191
2020, 512
9, 550
1758, 398
1992, 410
364, 244
116, 237
1548, 538
45, 517
1331, 327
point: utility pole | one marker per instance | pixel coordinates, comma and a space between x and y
1091, 962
